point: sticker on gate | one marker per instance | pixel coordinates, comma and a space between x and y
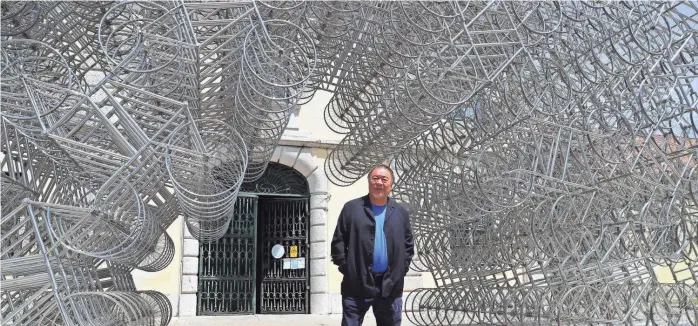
277, 251
293, 252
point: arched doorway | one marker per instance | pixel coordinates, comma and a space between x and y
238, 274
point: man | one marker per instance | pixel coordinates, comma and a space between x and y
373, 247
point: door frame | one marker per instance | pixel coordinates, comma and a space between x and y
303, 161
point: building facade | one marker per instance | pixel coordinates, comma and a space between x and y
300, 155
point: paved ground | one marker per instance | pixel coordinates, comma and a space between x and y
271, 320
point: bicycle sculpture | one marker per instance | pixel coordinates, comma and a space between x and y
547, 151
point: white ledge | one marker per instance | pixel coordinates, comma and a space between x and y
306, 140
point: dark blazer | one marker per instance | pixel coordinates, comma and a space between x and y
352, 248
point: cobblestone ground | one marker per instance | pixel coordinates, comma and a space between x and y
271, 320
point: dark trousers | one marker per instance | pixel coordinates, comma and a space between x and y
388, 311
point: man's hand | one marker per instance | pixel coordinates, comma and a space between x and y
339, 242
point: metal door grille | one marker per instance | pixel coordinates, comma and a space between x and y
227, 271
284, 286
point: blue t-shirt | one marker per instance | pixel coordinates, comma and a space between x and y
380, 251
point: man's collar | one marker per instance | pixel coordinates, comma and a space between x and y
367, 202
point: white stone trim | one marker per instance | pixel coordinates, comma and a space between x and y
318, 217
187, 304
289, 155
277, 153
301, 139
190, 265
318, 267
174, 301
300, 165
190, 283
187, 296
335, 303
301, 160
190, 247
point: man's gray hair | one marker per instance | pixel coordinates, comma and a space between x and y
392, 176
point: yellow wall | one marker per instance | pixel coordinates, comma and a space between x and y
311, 118
166, 280
665, 274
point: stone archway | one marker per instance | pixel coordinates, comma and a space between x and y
301, 160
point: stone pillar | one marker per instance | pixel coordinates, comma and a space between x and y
190, 278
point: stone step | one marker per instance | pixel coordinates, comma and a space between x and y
413, 282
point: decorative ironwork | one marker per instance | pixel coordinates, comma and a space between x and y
227, 266
278, 179
230, 281
546, 151
284, 286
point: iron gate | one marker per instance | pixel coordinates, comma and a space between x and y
284, 282
227, 267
